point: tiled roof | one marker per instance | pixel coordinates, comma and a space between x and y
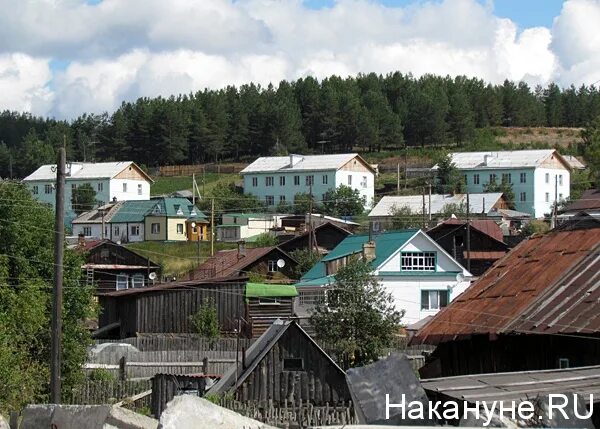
304, 163
547, 284
477, 202
385, 244
83, 170
503, 159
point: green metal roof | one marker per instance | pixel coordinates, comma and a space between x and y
255, 290
246, 215
132, 211
178, 207
385, 245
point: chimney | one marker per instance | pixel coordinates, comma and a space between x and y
81, 241
295, 159
241, 249
369, 251
486, 159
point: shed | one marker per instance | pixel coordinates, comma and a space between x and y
167, 308
285, 363
267, 303
166, 386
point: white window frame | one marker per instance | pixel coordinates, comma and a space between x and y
140, 189
180, 228
310, 180
87, 231
100, 187
560, 179
138, 280
476, 179
48, 189
523, 197
155, 228
272, 266
125, 187
269, 181
418, 261
116, 230
523, 178
547, 199
493, 178
282, 198
270, 200
34, 189
349, 179
364, 182
547, 177
296, 180
254, 182
434, 300
134, 230
325, 179
507, 176
281, 180
122, 282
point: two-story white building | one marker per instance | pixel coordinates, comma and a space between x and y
112, 181
278, 179
421, 276
533, 175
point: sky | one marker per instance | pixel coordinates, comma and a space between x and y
61, 58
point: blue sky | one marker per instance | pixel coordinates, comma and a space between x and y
526, 13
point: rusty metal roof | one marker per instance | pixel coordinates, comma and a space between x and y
589, 200
485, 226
180, 285
547, 284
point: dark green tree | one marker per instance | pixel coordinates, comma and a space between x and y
359, 318
83, 198
343, 201
448, 177
504, 187
302, 203
306, 259
591, 148
402, 217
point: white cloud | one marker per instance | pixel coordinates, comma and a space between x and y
122, 49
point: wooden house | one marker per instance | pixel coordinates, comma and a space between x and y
112, 267
536, 308
285, 363
167, 307
486, 242
267, 303
326, 237
270, 263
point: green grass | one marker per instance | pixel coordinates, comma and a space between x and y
176, 257
168, 185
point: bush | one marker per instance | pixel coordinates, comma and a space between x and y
265, 240
206, 322
535, 227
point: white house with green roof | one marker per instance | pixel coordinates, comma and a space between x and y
421, 276
243, 226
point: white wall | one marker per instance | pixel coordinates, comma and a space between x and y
542, 207
96, 229
406, 292
341, 178
116, 190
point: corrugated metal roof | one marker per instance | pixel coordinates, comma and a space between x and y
83, 170
180, 285
503, 159
485, 226
95, 215
574, 162
589, 200
304, 163
514, 386
547, 284
132, 211
477, 202
484, 254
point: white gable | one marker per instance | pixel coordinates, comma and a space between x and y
421, 242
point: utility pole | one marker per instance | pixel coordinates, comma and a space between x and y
212, 227
405, 167
429, 202
193, 189
59, 239
398, 184
468, 235
424, 209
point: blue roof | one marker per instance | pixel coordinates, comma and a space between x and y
385, 245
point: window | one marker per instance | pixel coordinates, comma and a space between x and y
73, 188
560, 196
87, 231
272, 264
310, 180
506, 178
293, 364
48, 189
100, 187
296, 180
106, 231
270, 200
268, 301
140, 189
135, 230
522, 197
282, 198
255, 181
323, 197
523, 177
476, 179
492, 178
179, 228
137, 280
325, 178
155, 228
563, 363
229, 233
547, 177
116, 230
560, 182
434, 299
281, 180
121, 281
124, 187
35, 189
547, 197
349, 179
364, 182
418, 261
269, 181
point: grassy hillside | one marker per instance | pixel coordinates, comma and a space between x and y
167, 185
176, 258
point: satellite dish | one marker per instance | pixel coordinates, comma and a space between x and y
280, 263
460, 277
152, 276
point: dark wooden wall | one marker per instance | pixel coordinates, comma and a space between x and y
169, 310
112, 253
320, 382
166, 386
480, 355
106, 279
261, 316
261, 266
327, 236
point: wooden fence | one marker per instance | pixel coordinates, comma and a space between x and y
158, 342
188, 170
97, 392
294, 415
